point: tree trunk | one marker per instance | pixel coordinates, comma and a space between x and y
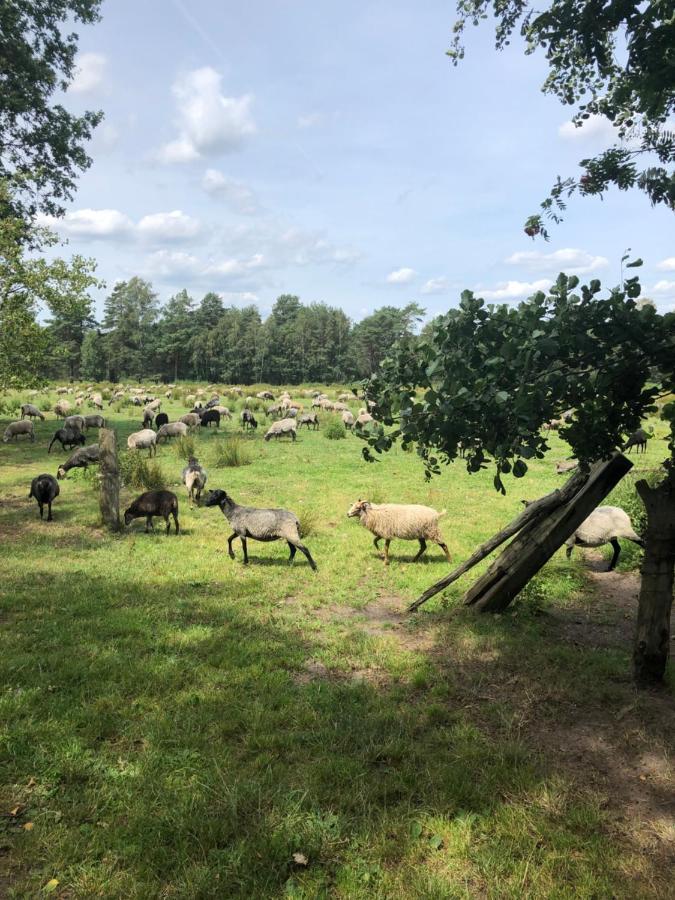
109, 498
652, 638
534, 546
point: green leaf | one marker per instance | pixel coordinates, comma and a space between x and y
436, 842
416, 831
519, 468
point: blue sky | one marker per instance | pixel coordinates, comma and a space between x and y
333, 151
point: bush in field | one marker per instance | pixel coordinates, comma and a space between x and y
185, 446
106, 394
253, 403
335, 430
625, 496
45, 405
141, 473
231, 452
10, 406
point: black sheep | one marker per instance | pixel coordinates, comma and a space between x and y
154, 503
45, 489
209, 416
71, 437
161, 419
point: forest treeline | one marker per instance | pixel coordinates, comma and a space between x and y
210, 341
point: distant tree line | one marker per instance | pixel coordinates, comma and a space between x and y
208, 340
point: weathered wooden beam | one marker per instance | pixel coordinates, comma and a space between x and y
109, 496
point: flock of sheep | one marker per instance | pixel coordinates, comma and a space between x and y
387, 522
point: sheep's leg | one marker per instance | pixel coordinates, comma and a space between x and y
229, 544
303, 549
243, 544
49, 513
568, 551
376, 542
292, 548
175, 521
386, 552
149, 524
41, 510
168, 524
420, 552
444, 548
617, 549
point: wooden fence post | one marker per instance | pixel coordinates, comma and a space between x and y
109, 498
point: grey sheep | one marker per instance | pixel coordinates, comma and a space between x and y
259, 525
283, 426
45, 489
171, 430
191, 419
404, 521
31, 412
74, 422
143, 440
604, 526
94, 421
309, 419
637, 439
154, 503
194, 478
248, 420
67, 437
14, 429
148, 416
80, 459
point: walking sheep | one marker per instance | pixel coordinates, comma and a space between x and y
604, 526
638, 439
154, 503
80, 459
70, 437
259, 525
31, 412
407, 522
14, 429
309, 419
143, 440
45, 489
283, 426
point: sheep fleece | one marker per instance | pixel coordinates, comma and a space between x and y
408, 522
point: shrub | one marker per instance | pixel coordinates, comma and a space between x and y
141, 473
45, 405
185, 446
335, 430
231, 452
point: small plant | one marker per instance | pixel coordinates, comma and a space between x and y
308, 520
185, 446
231, 452
335, 430
141, 473
45, 404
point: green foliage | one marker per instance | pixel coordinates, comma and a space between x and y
140, 473
185, 446
612, 60
92, 356
334, 429
231, 452
373, 336
41, 143
308, 518
625, 496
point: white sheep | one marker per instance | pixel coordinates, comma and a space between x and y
146, 439
283, 426
348, 419
14, 429
403, 521
604, 526
62, 409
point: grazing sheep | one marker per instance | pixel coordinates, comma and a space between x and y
14, 429
80, 459
154, 503
148, 416
283, 426
604, 526
31, 412
143, 440
74, 422
136, 401
154, 405
79, 401
171, 430
265, 395
214, 401
308, 419
45, 489
94, 421
194, 478
364, 418
259, 525
191, 419
62, 390
96, 401
339, 407
348, 419
567, 465
62, 408
210, 416
70, 437
224, 412
168, 394
345, 397
161, 419
637, 439
407, 522
248, 420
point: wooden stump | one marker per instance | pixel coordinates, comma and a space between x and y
109, 498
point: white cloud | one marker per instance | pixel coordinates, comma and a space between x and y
237, 195
435, 286
89, 73
594, 127
177, 264
570, 260
173, 264
514, 290
663, 287
168, 226
238, 297
208, 122
91, 223
310, 120
401, 276
667, 265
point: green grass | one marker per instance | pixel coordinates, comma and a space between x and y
175, 725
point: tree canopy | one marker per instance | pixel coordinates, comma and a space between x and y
41, 143
615, 60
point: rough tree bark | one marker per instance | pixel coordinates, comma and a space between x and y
652, 639
109, 497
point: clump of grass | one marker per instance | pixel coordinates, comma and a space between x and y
45, 405
139, 472
231, 452
185, 446
308, 519
335, 430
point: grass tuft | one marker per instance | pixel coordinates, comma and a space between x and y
232, 452
185, 446
141, 473
335, 430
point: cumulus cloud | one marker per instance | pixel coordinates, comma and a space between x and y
89, 73
667, 265
237, 195
401, 276
514, 290
570, 260
595, 127
91, 223
168, 226
435, 286
663, 287
208, 122
177, 264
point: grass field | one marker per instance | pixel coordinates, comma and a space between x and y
177, 725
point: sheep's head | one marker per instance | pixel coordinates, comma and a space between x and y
61, 473
128, 516
358, 508
217, 498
